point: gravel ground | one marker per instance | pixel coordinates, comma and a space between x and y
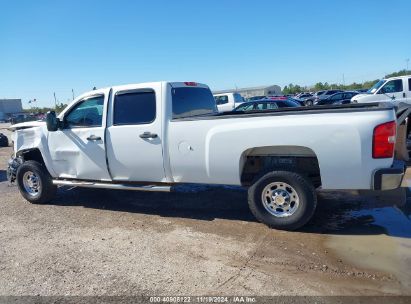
192, 242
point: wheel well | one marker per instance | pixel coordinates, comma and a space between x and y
32, 154
258, 161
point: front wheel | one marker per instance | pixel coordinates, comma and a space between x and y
35, 183
282, 200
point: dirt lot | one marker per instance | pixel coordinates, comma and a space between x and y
196, 241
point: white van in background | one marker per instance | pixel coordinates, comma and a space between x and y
228, 101
394, 89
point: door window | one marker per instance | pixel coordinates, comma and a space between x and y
409, 84
271, 106
260, 106
238, 98
336, 97
86, 114
221, 99
246, 107
348, 95
393, 86
134, 108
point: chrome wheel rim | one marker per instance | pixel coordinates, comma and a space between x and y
280, 199
31, 183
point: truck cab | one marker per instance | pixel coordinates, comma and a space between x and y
394, 90
228, 101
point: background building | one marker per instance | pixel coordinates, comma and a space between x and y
254, 91
10, 107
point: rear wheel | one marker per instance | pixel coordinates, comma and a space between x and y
35, 183
282, 200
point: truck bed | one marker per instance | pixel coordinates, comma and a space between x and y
353, 107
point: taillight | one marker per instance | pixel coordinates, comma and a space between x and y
383, 140
190, 83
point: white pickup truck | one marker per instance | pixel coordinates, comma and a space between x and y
394, 89
228, 101
151, 136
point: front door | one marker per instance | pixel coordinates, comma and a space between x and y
134, 134
77, 150
393, 91
223, 103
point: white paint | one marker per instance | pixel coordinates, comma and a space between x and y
213, 150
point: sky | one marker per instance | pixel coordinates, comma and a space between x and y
60, 46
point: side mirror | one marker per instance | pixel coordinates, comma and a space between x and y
52, 121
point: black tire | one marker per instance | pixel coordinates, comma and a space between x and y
4, 142
305, 193
45, 192
308, 103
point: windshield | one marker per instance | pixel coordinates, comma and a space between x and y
376, 86
189, 101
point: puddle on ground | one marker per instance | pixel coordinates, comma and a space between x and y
376, 239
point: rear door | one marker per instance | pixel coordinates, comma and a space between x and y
134, 137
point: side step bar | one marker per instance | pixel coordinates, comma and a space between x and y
154, 188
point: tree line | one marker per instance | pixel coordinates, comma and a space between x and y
57, 108
320, 86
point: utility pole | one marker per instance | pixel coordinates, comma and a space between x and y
55, 101
72, 91
407, 61
343, 79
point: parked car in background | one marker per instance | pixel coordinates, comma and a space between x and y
286, 97
303, 96
256, 98
267, 104
228, 101
310, 100
320, 95
394, 90
4, 141
337, 98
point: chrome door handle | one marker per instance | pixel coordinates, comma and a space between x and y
148, 135
93, 137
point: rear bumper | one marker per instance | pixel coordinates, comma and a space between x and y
389, 178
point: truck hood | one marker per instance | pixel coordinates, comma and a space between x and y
361, 95
26, 125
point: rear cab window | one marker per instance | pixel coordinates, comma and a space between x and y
238, 98
192, 101
409, 84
